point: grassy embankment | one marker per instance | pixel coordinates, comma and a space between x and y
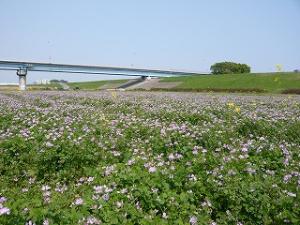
32, 87
267, 82
92, 85
259, 83
51, 86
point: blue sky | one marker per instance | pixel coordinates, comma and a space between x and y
170, 34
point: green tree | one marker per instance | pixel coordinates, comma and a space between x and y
229, 67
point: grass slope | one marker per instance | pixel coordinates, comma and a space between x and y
31, 87
269, 82
52, 86
96, 84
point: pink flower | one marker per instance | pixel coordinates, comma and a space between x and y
244, 149
2, 199
105, 197
45, 188
164, 215
152, 169
92, 220
4, 210
99, 189
193, 220
78, 201
49, 144
90, 179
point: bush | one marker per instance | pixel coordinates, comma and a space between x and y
229, 67
291, 91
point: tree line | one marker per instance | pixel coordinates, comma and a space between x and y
229, 67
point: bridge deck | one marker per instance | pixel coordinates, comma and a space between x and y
64, 68
23, 67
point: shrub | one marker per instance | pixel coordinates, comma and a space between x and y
291, 91
229, 67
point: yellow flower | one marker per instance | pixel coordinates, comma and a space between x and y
114, 94
237, 109
279, 68
102, 117
230, 104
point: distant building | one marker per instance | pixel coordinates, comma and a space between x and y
44, 81
8, 84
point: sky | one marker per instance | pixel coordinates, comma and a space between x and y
161, 34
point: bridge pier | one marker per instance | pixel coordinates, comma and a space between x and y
22, 79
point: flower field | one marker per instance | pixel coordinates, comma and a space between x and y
149, 158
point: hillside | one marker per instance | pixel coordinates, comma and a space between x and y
93, 85
267, 82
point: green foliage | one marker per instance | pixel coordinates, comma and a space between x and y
291, 91
158, 158
229, 67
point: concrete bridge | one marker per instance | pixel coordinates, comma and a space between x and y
22, 69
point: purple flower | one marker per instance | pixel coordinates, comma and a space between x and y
49, 144
78, 201
30, 223
45, 188
244, 149
4, 211
90, 179
105, 197
2, 199
193, 220
92, 220
99, 189
152, 169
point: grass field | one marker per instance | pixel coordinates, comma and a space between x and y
8, 87
93, 85
269, 82
32, 87
149, 158
260, 83
51, 86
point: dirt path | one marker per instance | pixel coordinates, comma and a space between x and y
153, 83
